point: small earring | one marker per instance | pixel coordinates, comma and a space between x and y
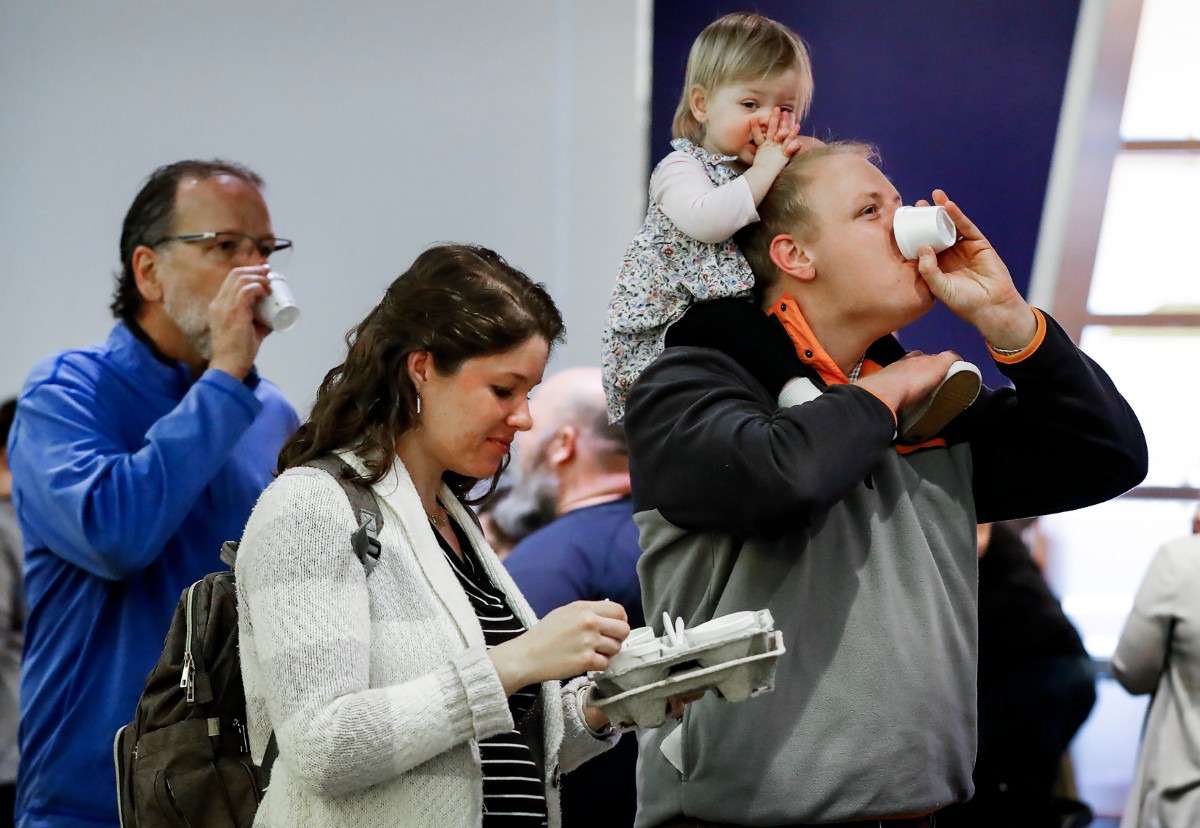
418, 405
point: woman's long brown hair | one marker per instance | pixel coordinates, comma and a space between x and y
457, 302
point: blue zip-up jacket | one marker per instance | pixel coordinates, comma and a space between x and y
127, 477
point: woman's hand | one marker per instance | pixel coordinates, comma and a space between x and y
972, 280
568, 642
597, 719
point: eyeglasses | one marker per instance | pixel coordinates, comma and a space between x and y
233, 246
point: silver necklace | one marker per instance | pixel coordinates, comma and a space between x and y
437, 520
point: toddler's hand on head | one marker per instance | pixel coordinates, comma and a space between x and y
798, 143
776, 142
779, 129
774, 139
788, 135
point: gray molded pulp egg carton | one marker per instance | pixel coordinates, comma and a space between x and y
736, 668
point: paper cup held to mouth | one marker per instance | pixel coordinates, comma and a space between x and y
915, 226
278, 309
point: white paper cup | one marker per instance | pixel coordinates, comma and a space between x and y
724, 626
631, 656
915, 226
278, 309
639, 635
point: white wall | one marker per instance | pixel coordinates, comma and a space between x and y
380, 128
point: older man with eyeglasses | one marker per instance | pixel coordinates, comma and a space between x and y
132, 461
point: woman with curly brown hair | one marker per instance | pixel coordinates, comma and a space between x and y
425, 692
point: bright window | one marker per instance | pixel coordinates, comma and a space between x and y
1128, 290
1152, 366
1162, 100
1128, 286
1150, 218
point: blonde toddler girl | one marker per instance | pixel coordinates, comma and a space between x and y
747, 86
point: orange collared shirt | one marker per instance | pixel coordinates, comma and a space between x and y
787, 311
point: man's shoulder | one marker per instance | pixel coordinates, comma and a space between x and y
272, 397
87, 363
1183, 556
680, 362
680, 376
599, 523
611, 520
563, 533
538, 553
544, 538
578, 531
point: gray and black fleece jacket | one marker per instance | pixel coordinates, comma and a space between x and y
865, 555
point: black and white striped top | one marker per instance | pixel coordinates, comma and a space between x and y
513, 794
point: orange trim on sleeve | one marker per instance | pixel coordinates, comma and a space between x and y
934, 442
1026, 352
870, 366
895, 419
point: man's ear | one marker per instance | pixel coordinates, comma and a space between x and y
698, 101
145, 273
563, 445
793, 257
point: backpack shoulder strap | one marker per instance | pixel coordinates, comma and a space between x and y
229, 550
269, 757
365, 539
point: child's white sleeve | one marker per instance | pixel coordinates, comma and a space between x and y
710, 214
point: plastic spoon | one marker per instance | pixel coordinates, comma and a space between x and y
672, 637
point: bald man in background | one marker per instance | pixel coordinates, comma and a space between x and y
575, 465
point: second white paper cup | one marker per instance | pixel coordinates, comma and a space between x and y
278, 309
915, 226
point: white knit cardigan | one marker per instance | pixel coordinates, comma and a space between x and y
378, 689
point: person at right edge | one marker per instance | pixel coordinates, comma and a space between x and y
1159, 653
862, 548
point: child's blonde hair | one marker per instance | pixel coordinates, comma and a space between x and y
740, 47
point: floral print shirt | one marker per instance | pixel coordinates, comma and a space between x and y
663, 273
